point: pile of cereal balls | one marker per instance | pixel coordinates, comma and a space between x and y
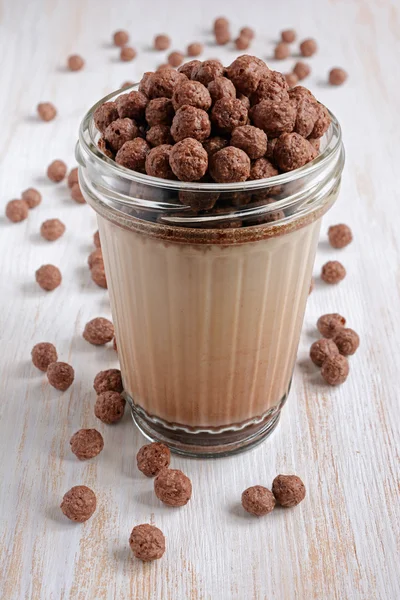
207, 123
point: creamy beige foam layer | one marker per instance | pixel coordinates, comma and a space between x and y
207, 334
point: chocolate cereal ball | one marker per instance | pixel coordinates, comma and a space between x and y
301, 69
173, 487
48, 277
144, 84
335, 369
188, 159
17, 210
76, 194
347, 341
132, 155
75, 62
221, 87
272, 86
288, 36
60, 375
229, 165
157, 162
162, 42
274, 117
190, 122
119, 132
52, 229
321, 350
32, 197
291, 79
46, 111
175, 59
73, 177
152, 458
250, 139
213, 144
242, 42
332, 272
207, 70
98, 331
79, 503
98, 275
291, 152
86, 443
104, 115
329, 324
307, 110
261, 169
159, 135
229, 113
132, 105
198, 200
108, 381
191, 93
337, 76
43, 354
308, 47
121, 38
194, 49
57, 170
127, 53
147, 542
102, 144
246, 72
188, 68
322, 123
340, 235
159, 111
282, 51
95, 257
162, 83
109, 407
289, 490
258, 500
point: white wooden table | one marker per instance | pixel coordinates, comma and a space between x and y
343, 541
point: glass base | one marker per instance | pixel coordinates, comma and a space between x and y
206, 444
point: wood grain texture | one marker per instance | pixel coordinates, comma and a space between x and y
343, 542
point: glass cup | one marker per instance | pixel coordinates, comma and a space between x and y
208, 286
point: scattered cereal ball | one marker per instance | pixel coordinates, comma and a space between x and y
75, 62
52, 229
229, 113
339, 236
273, 87
250, 139
195, 49
48, 277
198, 200
98, 331
322, 123
274, 117
291, 151
57, 170
32, 197
191, 93
104, 115
213, 144
43, 354
220, 23
159, 111
86, 443
132, 155
222, 36
119, 132
79, 503
207, 70
108, 381
301, 69
147, 542
329, 324
333, 271
258, 500
17, 210
229, 165
321, 350
121, 38
127, 53
188, 68
173, 487
157, 162
242, 42
188, 159
109, 407
162, 42
289, 490
335, 369
95, 257
60, 375
221, 87
246, 72
347, 341
288, 36
337, 76
281, 51
98, 275
175, 59
96, 239
73, 177
76, 194
164, 66
291, 79
46, 111
308, 47
162, 83
152, 458
261, 169
247, 32
132, 105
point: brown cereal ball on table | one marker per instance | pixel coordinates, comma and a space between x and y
162, 83
121, 38
272, 86
43, 354
220, 23
60, 375
79, 503
308, 47
191, 93
98, 331
152, 458
132, 105
347, 341
321, 350
17, 210
221, 87
289, 490
108, 381
119, 132
213, 144
159, 112
98, 275
274, 117
291, 152
57, 170
281, 51
246, 72
132, 155
198, 200
188, 160
162, 42
322, 123
157, 162
109, 407
175, 59
261, 169
86, 443
337, 76
76, 194
329, 324
301, 69
188, 68
190, 122
207, 70
222, 36
46, 111
73, 177
48, 277
242, 42
127, 53
340, 235
229, 113
75, 62
250, 139
194, 49
32, 197
95, 258
247, 32
258, 500
335, 369
52, 229
291, 79
288, 36
229, 165
332, 272
147, 542
104, 115
173, 487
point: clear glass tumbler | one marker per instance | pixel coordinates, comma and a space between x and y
208, 286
